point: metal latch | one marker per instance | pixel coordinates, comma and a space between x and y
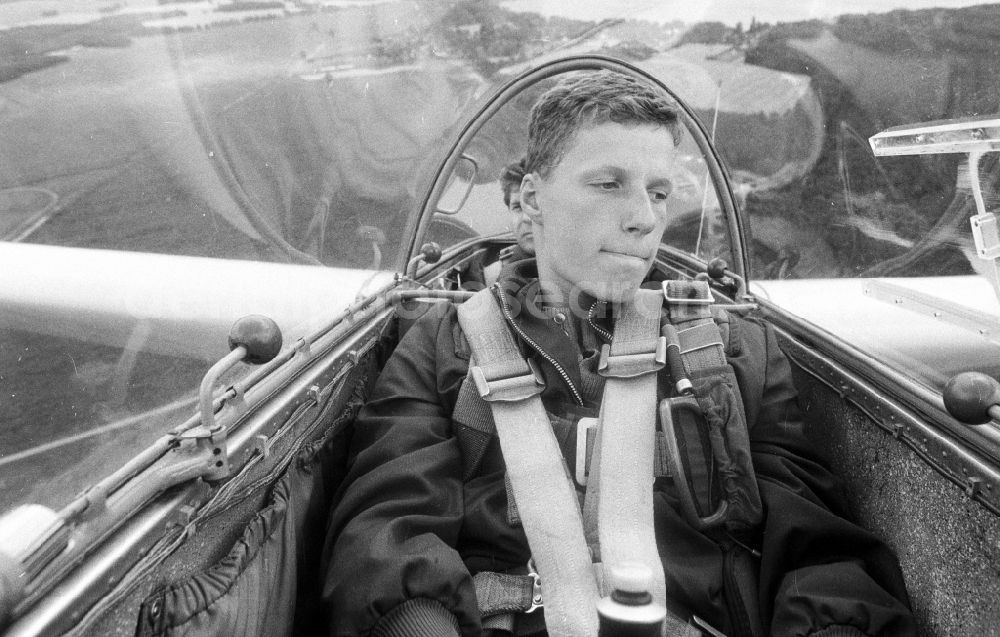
536, 587
512, 389
986, 233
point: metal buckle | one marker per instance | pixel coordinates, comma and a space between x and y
632, 365
512, 389
536, 587
583, 426
678, 300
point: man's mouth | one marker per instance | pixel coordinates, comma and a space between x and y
627, 253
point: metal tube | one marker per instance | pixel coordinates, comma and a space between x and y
208, 384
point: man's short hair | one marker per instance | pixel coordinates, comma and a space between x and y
589, 98
511, 177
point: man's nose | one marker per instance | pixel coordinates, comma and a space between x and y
639, 215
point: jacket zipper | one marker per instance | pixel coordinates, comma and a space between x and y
733, 595
536, 347
600, 330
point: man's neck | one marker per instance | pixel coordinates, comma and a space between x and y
567, 298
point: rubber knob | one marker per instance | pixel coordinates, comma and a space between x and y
970, 395
431, 252
260, 335
717, 268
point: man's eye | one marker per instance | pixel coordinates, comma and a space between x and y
659, 195
608, 185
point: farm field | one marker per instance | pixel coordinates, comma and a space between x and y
196, 145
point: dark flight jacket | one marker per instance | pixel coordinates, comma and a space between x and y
410, 528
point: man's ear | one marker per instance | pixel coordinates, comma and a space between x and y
529, 198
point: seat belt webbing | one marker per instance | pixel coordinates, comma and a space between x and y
719, 411
618, 509
689, 305
503, 593
545, 496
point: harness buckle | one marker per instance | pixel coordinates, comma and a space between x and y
510, 389
697, 293
633, 365
586, 430
536, 587
687, 301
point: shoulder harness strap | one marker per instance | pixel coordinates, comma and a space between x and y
546, 498
715, 440
618, 510
619, 507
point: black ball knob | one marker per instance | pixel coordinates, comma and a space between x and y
260, 335
431, 252
717, 268
969, 397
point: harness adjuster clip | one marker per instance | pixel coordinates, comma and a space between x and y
632, 365
687, 300
536, 587
509, 390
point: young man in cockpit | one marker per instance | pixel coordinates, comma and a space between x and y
458, 472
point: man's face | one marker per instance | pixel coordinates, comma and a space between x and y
521, 224
601, 212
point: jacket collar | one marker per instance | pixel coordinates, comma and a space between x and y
533, 317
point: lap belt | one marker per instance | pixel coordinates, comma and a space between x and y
501, 596
504, 593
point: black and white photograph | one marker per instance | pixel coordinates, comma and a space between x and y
499, 318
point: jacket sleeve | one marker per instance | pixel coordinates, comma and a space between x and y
390, 563
820, 573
